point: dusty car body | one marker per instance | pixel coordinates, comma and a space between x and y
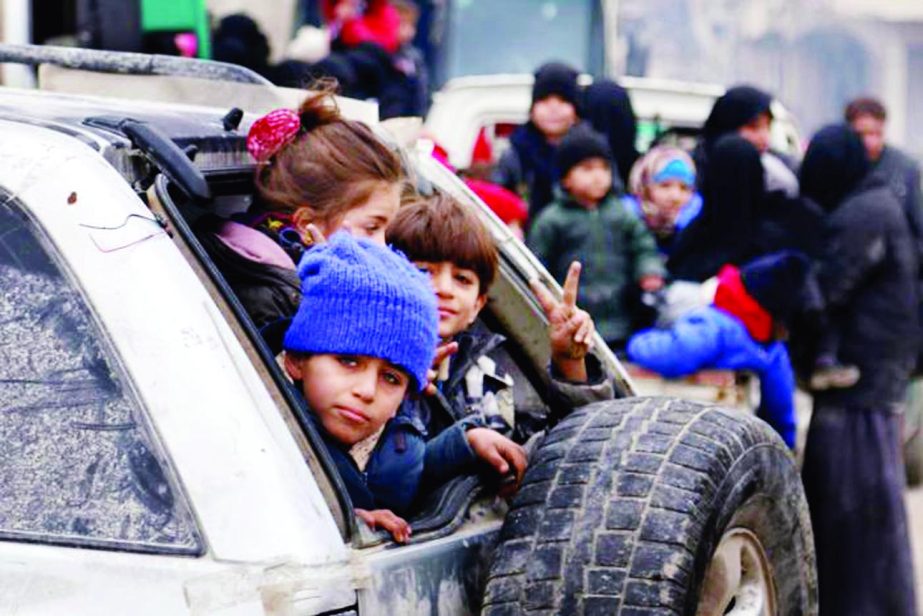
156, 461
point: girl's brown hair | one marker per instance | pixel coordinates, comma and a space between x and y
333, 165
441, 229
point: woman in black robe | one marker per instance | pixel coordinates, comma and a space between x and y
607, 107
733, 203
853, 473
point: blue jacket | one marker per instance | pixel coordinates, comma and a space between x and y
392, 477
711, 338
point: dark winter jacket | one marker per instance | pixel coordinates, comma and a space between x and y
392, 476
867, 277
479, 393
868, 270
259, 271
406, 92
708, 337
902, 175
616, 251
528, 168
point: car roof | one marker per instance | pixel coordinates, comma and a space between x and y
74, 114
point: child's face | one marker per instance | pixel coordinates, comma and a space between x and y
590, 181
553, 116
669, 195
407, 29
352, 395
370, 218
458, 295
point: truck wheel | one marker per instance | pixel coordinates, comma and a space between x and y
656, 506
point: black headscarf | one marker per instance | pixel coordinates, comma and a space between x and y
733, 202
738, 107
834, 165
607, 107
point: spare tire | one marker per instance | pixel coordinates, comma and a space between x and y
656, 506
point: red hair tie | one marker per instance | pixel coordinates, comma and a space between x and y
271, 133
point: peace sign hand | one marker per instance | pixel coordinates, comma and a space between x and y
570, 329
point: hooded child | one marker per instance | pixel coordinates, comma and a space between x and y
853, 471
662, 193
363, 338
740, 330
528, 167
589, 224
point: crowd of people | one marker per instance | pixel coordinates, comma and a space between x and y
731, 256
793, 270
366, 46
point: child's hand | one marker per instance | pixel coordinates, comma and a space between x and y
570, 329
443, 351
651, 283
386, 519
501, 453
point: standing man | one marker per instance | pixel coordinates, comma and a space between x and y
867, 116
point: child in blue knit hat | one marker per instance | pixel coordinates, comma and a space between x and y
364, 335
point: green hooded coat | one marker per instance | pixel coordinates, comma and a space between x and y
616, 251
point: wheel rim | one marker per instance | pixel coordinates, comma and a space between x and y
738, 581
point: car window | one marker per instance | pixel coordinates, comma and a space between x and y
78, 464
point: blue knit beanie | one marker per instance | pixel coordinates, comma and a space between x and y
360, 298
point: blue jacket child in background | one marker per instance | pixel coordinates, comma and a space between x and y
363, 337
740, 330
662, 193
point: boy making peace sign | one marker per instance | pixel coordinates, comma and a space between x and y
470, 414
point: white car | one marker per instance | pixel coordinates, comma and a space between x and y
154, 459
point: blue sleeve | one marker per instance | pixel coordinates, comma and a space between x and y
689, 212
777, 394
395, 473
692, 343
448, 454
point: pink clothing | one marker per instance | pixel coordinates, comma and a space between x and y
253, 245
378, 24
